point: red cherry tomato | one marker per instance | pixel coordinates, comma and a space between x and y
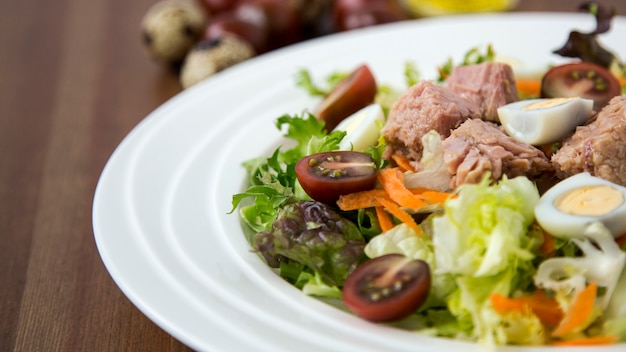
228, 23
216, 6
326, 176
387, 288
277, 17
352, 14
367, 17
582, 79
351, 94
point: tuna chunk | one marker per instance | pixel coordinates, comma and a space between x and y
424, 107
478, 147
488, 85
599, 147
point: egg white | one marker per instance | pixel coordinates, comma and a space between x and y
561, 224
362, 128
544, 125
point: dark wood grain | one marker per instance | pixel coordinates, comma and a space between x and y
74, 80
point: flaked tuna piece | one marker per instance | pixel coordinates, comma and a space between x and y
598, 147
488, 85
424, 107
477, 147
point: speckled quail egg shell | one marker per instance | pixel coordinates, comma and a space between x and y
567, 225
171, 28
362, 128
544, 121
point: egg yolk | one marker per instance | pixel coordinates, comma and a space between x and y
594, 200
547, 103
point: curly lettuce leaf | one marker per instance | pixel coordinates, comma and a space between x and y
273, 181
305, 81
314, 235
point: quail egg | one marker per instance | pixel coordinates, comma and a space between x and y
544, 121
362, 128
170, 29
567, 208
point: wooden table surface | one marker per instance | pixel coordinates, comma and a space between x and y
74, 80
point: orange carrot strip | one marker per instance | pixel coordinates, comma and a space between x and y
403, 163
392, 182
361, 200
580, 310
402, 215
528, 86
548, 247
384, 220
434, 197
547, 309
588, 341
430, 196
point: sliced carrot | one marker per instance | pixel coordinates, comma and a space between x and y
403, 163
400, 214
588, 341
434, 197
579, 312
392, 181
548, 247
361, 200
546, 308
384, 220
528, 87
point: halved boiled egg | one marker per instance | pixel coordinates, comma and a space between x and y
544, 121
567, 208
362, 128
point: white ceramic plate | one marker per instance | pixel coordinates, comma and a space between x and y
160, 210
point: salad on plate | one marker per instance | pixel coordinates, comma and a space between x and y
480, 205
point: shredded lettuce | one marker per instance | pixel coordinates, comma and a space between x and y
483, 231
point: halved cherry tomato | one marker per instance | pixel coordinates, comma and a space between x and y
387, 288
228, 23
351, 94
326, 176
582, 79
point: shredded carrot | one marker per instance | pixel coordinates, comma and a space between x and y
392, 181
546, 308
384, 220
528, 87
361, 200
548, 247
588, 341
579, 312
400, 214
434, 197
403, 163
